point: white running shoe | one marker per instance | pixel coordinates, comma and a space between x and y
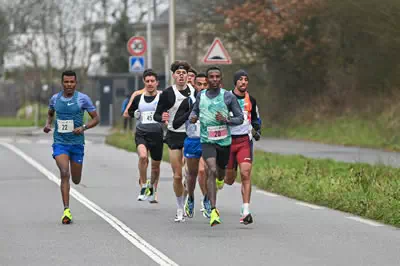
179, 216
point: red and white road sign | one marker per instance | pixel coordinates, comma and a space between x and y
217, 54
137, 46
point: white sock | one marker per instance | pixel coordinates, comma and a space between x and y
180, 202
246, 209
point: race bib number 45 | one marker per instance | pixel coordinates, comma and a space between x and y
217, 132
65, 126
147, 117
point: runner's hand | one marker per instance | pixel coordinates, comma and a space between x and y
165, 116
194, 119
257, 135
220, 117
78, 130
47, 129
126, 114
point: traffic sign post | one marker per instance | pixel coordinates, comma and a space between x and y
137, 46
217, 54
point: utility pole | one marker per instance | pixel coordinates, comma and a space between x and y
149, 52
171, 53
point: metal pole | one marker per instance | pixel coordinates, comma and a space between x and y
111, 115
149, 52
171, 32
166, 69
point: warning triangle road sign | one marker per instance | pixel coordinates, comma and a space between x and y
217, 54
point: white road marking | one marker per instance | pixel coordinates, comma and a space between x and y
123, 229
7, 140
269, 194
365, 221
24, 141
311, 206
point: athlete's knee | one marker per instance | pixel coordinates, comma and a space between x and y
178, 178
245, 174
201, 173
64, 173
76, 179
212, 171
143, 158
229, 177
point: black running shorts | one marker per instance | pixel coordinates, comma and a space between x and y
175, 140
221, 153
152, 141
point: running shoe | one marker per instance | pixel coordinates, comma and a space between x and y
215, 219
142, 195
207, 207
202, 206
246, 219
189, 207
220, 183
67, 217
179, 216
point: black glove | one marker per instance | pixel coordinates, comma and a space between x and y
257, 135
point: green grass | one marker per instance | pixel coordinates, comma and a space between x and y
369, 191
15, 122
349, 131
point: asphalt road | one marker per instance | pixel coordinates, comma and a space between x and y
112, 228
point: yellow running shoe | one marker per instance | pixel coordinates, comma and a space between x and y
214, 219
67, 217
220, 183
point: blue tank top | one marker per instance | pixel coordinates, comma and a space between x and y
67, 111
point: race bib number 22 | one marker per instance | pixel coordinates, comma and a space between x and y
65, 126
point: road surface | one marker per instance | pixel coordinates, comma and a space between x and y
112, 228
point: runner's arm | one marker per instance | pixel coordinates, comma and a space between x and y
166, 101
134, 94
182, 114
233, 106
91, 109
196, 108
134, 106
255, 121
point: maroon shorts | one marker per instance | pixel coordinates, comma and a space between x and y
241, 151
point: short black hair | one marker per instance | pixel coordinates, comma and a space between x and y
201, 75
213, 68
180, 65
68, 73
149, 72
193, 70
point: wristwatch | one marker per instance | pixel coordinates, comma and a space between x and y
84, 127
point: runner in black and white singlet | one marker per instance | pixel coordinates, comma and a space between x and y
194, 166
169, 104
148, 136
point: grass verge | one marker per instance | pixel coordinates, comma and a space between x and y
368, 191
349, 131
14, 122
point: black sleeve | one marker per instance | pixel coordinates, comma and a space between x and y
165, 103
254, 116
134, 106
183, 113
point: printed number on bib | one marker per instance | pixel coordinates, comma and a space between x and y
65, 126
147, 117
193, 130
217, 132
